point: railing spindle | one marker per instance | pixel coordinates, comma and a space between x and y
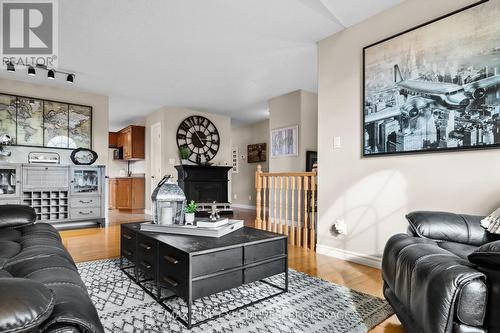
313, 217
258, 199
292, 220
286, 204
265, 203
299, 224
275, 203
280, 225
305, 227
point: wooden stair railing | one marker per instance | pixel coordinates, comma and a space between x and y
286, 204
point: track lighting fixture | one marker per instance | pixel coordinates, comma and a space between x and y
10, 67
31, 71
51, 74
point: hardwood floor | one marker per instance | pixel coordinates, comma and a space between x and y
102, 243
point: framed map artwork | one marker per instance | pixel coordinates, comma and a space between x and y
43, 123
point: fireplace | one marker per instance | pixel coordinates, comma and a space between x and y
204, 184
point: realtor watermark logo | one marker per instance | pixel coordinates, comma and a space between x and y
29, 32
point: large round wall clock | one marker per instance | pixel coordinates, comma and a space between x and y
201, 137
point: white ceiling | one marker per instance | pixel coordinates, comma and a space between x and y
221, 56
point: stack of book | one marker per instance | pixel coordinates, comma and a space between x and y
206, 223
203, 228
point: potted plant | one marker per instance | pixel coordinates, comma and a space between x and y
184, 153
189, 211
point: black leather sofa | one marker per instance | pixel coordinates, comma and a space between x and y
40, 288
444, 275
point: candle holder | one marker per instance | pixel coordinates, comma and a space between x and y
169, 202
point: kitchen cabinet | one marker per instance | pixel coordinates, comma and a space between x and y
113, 139
113, 183
132, 140
127, 193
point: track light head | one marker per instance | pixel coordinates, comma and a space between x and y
10, 67
51, 74
31, 71
70, 78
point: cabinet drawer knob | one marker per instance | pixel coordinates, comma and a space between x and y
145, 246
127, 236
171, 260
145, 265
128, 253
86, 202
170, 281
83, 213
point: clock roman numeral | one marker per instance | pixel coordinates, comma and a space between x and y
185, 126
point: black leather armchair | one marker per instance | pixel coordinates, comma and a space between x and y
444, 275
40, 288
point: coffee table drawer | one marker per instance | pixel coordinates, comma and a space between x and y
205, 287
263, 271
177, 285
129, 254
147, 267
266, 250
146, 247
217, 261
172, 262
127, 244
146, 255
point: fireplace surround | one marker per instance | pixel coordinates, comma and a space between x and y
204, 184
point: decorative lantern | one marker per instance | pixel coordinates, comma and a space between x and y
168, 202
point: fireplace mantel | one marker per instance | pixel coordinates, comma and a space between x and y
203, 183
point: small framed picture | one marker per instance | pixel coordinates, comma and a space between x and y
234, 158
257, 153
285, 141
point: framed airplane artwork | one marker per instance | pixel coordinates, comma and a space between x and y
435, 87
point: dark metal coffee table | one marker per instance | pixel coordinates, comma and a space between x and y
194, 267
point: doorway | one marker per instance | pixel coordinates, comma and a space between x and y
155, 154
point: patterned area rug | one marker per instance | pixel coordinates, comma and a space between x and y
311, 305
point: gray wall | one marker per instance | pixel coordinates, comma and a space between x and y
243, 183
170, 118
296, 108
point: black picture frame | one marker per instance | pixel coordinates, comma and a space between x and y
311, 159
363, 118
43, 128
257, 153
76, 161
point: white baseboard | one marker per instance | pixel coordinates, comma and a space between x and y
250, 207
359, 258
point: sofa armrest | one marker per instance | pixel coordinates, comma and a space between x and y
487, 259
441, 226
487, 255
432, 285
25, 304
16, 215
